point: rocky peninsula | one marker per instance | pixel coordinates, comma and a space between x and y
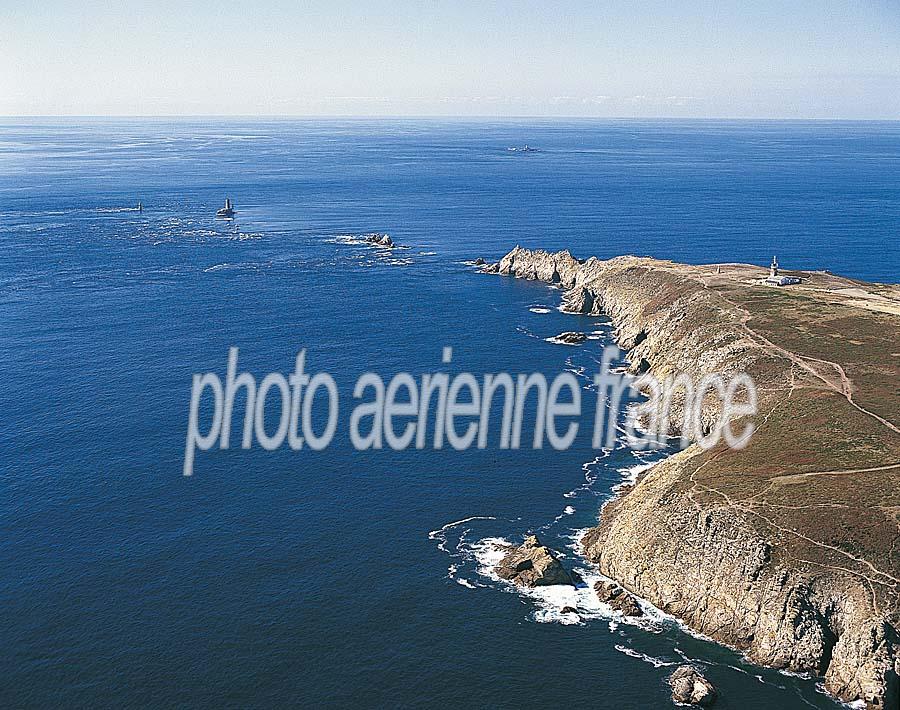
788, 548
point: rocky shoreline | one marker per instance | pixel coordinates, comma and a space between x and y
710, 536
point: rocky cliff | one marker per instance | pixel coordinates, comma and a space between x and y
786, 549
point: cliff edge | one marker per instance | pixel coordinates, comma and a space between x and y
787, 549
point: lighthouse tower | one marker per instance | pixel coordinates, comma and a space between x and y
773, 268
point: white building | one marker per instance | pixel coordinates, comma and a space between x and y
776, 279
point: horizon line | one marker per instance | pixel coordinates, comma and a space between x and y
495, 117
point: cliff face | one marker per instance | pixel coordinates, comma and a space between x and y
708, 567
759, 548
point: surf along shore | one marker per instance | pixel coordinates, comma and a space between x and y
787, 549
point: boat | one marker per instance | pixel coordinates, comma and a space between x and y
227, 210
523, 149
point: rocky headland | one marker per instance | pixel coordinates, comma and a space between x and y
786, 549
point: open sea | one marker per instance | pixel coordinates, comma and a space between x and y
339, 578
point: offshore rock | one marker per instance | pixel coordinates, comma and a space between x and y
532, 564
381, 240
570, 337
689, 687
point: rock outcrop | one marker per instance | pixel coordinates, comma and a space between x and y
570, 337
620, 600
784, 549
532, 564
689, 687
381, 240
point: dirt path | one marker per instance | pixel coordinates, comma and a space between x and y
843, 386
789, 478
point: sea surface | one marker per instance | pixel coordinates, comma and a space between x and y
340, 578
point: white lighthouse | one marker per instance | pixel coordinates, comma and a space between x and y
776, 279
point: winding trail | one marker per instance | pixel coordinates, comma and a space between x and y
787, 477
844, 387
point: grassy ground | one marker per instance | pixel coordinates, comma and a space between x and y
822, 473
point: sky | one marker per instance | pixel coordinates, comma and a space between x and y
674, 58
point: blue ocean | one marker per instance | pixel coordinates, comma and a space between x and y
344, 578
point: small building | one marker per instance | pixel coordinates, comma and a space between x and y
777, 279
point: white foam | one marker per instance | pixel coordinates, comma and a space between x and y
630, 474
227, 266
559, 341
550, 600
539, 309
441, 533
652, 660
577, 370
344, 239
488, 552
662, 618
568, 510
589, 476
434, 533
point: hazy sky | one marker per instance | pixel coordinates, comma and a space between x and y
753, 58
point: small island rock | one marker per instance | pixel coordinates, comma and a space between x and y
382, 240
532, 565
689, 687
570, 337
